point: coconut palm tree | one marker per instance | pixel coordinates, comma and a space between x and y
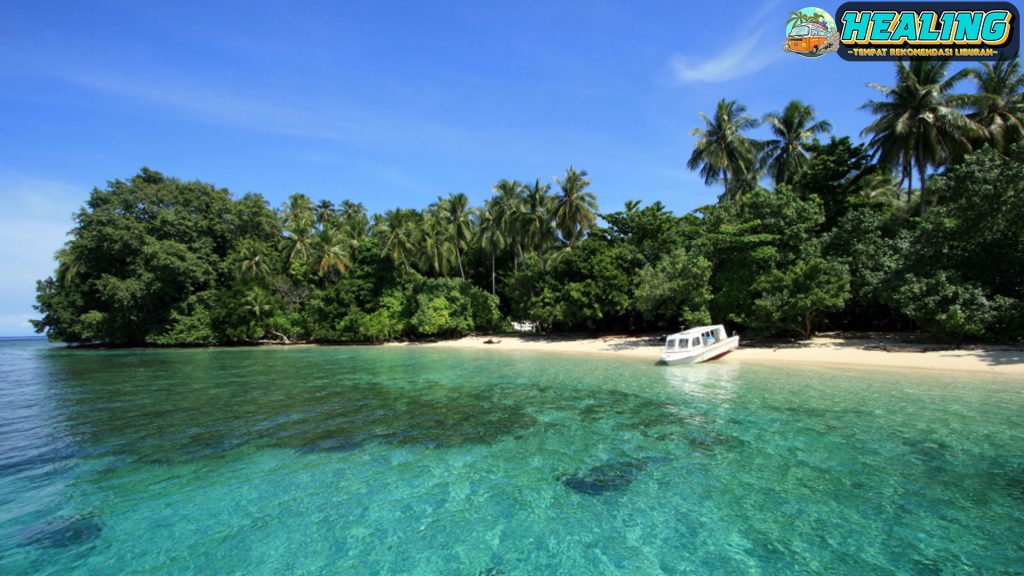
796, 18
491, 235
397, 229
299, 220
332, 251
253, 262
298, 214
998, 106
354, 220
535, 220
324, 213
918, 122
435, 247
576, 208
722, 151
879, 188
256, 304
458, 218
68, 266
793, 128
508, 210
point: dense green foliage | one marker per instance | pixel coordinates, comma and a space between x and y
835, 243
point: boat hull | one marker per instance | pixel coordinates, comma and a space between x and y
703, 354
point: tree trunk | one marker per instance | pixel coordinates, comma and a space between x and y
458, 255
725, 178
908, 175
493, 282
920, 173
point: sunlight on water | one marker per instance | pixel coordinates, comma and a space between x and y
399, 461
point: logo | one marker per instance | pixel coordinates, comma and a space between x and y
811, 32
898, 30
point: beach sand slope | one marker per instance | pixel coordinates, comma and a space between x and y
883, 353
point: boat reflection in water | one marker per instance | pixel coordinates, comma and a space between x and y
716, 382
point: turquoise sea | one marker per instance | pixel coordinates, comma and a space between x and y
362, 460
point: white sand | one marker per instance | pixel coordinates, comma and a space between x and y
860, 352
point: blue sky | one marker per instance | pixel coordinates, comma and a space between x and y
385, 103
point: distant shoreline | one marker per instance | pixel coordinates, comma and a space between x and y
881, 352
863, 351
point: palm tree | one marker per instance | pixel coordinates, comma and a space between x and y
535, 219
796, 18
507, 206
435, 246
256, 303
491, 236
575, 210
998, 106
458, 218
353, 218
299, 220
68, 266
879, 188
722, 151
331, 251
918, 122
745, 183
253, 261
324, 214
298, 214
397, 229
793, 128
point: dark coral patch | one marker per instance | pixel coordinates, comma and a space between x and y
63, 532
604, 478
1015, 484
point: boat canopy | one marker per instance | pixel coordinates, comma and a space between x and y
695, 337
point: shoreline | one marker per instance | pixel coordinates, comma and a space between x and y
868, 352
861, 351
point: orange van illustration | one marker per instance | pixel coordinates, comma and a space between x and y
807, 38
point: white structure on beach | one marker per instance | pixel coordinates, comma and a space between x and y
698, 344
524, 326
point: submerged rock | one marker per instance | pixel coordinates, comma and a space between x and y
1015, 484
332, 445
62, 532
605, 478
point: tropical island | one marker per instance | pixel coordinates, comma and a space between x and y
919, 228
440, 357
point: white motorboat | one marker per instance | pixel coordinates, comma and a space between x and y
698, 344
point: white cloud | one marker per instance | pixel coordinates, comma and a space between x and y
743, 58
217, 105
740, 59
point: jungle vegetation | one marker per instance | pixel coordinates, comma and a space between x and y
919, 228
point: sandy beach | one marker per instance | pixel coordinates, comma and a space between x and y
867, 352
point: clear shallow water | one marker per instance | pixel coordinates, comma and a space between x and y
408, 461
